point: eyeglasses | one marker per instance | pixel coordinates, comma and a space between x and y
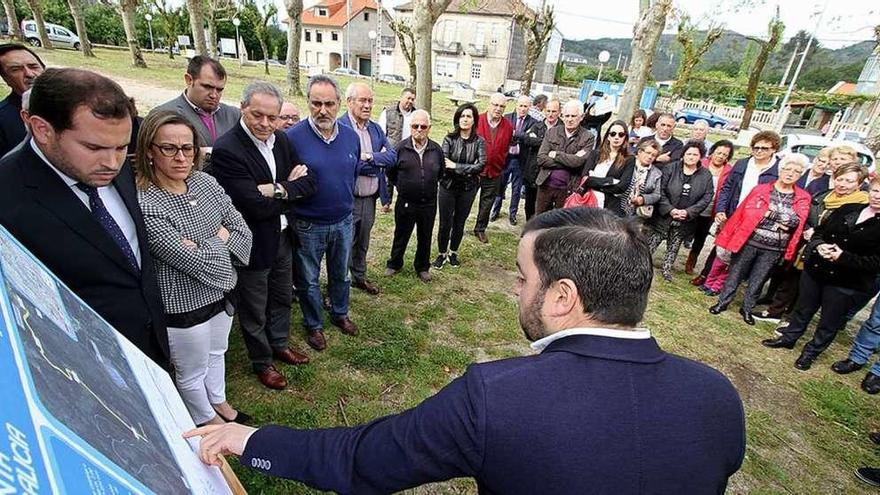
420, 127
616, 134
294, 118
170, 150
761, 148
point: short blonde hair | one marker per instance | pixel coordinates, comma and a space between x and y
844, 149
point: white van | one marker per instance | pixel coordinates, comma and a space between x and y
60, 36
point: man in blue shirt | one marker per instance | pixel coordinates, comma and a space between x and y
323, 224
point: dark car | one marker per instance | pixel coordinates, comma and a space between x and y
691, 115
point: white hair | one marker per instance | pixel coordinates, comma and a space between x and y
353, 87
261, 88
797, 159
524, 98
497, 97
573, 104
423, 113
701, 123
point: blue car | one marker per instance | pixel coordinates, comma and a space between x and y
691, 115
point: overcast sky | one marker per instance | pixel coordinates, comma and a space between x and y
845, 21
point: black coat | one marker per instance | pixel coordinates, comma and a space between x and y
239, 167
416, 178
529, 161
12, 130
614, 184
45, 215
858, 265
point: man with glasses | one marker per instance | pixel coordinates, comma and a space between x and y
263, 176
323, 225
497, 132
668, 143
289, 116
759, 168
376, 155
562, 155
200, 102
415, 175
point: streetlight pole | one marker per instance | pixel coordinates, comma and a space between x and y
604, 56
149, 18
237, 22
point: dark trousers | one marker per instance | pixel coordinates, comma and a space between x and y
835, 303
455, 206
549, 198
531, 196
363, 218
264, 306
701, 232
707, 266
512, 175
752, 264
488, 191
409, 216
783, 289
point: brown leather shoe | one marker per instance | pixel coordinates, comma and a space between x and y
290, 356
272, 378
316, 340
346, 325
366, 286
425, 276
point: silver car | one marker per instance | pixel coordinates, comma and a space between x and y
60, 36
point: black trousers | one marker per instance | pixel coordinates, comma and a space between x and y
531, 197
409, 216
752, 264
835, 303
701, 232
488, 191
783, 289
455, 206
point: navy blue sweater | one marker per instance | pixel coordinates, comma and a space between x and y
334, 165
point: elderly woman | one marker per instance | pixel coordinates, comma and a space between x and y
767, 225
686, 190
196, 237
465, 154
717, 163
817, 180
643, 191
841, 263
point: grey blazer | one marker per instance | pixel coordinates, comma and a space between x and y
226, 117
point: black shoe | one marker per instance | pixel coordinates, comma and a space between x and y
875, 437
846, 366
718, 309
765, 316
778, 343
494, 216
747, 317
869, 475
439, 262
871, 383
803, 363
513, 221
453, 260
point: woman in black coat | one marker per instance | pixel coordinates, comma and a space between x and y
686, 190
608, 172
842, 262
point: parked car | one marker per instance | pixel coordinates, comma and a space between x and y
453, 85
848, 135
60, 36
691, 115
810, 145
345, 71
391, 79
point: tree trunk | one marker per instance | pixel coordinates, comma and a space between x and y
197, 23
536, 30
12, 19
425, 14
41, 25
644, 46
128, 8
294, 37
529, 72
776, 28
403, 30
265, 50
81, 31
211, 35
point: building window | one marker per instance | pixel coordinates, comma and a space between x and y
476, 69
322, 12
334, 36
308, 35
319, 36
366, 16
446, 68
308, 55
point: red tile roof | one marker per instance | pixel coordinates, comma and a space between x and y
336, 11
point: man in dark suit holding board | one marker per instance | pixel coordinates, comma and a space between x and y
601, 409
69, 196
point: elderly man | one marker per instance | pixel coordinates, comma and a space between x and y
669, 144
561, 157
395, 119
699, 131
19, 67
601, 408
256, 166
376, 155
497, 132
323, 225
415, 175
289, 116
530, 167
520, 147
200, 104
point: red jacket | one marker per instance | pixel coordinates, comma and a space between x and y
745, 219
496, 149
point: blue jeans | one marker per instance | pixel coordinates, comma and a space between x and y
868, 340
513, 175
312, 242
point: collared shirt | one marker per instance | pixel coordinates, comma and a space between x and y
197, 108
265, 148
636, 333
420, 149
364, 186
109, 196
318, 131
406, 131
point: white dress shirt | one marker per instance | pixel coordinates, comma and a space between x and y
111, 199
636, 333
265, 148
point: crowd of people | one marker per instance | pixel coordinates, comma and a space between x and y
232, 210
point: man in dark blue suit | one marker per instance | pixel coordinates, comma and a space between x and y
19, 67
601, 409
520, 147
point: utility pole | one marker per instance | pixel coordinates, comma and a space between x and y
347, 61
780, 119
797, 48
619, 55
377, 65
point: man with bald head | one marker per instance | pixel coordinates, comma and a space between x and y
699, 131
562, 157
520, 146
497, 132
376, 155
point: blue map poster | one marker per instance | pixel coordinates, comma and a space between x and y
82, 410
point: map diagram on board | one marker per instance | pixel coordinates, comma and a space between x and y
88, 386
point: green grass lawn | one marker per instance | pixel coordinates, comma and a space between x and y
806, 431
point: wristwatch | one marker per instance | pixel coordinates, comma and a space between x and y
279, 191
